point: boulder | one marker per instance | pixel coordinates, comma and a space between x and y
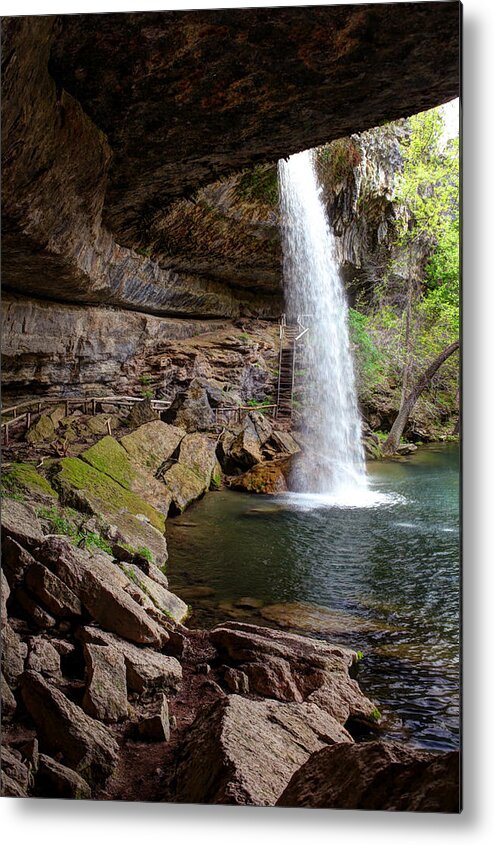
15, 561
43, 431
53, 780
63, 728
167, 602
156, 728
105, 696
267, 477
141, 413
376, 776
15, 770
246, 448
190, 477
282, 441
150, 570
290, 667
10, 788
146, 669
23, 478
57, 598
20, 523
191, 409
109, 456
9, 703
4, 595
244, 752
236, 680
152, 444
36, 614
101, 586
43, 658
135, 520
14, 653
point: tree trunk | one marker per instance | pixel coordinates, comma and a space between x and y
391, 444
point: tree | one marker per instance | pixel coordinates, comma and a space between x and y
392, 442
427, 193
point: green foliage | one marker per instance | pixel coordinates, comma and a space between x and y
63, 521
146, 553
145, 378
339, 159
368, 358
147, 394
260, 185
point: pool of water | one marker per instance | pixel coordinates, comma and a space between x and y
388, 567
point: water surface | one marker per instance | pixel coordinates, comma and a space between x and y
391, 562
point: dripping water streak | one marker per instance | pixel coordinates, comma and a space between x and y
313, 288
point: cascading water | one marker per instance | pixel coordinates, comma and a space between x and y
314, 294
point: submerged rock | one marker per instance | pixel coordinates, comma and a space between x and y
315, 618
376, 776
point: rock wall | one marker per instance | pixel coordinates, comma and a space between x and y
107, 119
49, 348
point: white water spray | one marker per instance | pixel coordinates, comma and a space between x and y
314, 292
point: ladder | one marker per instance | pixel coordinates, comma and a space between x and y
290, 335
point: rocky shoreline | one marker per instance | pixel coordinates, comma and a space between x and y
107, 694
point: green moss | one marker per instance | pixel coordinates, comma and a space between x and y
260, 185
146, 553
376, 715
108, 456
67, 521
23, 478
82, 484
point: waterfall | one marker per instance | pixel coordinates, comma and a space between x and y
314, 294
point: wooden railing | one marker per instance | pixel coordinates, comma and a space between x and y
28, 409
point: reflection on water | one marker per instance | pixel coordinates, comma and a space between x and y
392, 559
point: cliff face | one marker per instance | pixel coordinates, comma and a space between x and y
125, 140
108, 118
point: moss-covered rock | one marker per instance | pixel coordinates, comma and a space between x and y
24, 478
109, 456
86, 485
184, 486
43, 430
123, 514
152, 444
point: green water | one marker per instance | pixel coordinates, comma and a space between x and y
393, 563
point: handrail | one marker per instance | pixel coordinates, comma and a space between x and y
85, 401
